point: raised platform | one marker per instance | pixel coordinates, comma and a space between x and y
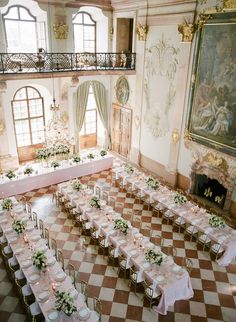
44, 177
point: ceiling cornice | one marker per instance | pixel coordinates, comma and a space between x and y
102, 4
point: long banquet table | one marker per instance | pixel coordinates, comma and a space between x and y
41, 284
48, 176
177, 283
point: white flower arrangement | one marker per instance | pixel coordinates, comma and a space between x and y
76, 158
65, 303
55, 164
60, 149
95, 202
77, 185
7, 204
179, 198
122, 225
152, 183
103, 152
154, 257
39, 260
90, 156
216, 221
28, 171
19, 226
128, 168
10, 174
43, 154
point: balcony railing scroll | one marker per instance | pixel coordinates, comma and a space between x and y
60, 62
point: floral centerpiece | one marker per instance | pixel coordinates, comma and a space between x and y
76, 158
43, 154
90, 156
28, 171
128, 168
180, 198
55, 164
40, 259
65, 303
216, 221
103, 152
60, 149
7, 204
152, 183
19, 226
77, 185
154, 257
95, 202
122, 225
10, 174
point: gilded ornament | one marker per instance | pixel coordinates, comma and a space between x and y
175, 136
216, 161
142, 31
60, 30
187, 135
2, 128
187, 31
229, 4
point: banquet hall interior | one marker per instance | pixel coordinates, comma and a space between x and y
118, 160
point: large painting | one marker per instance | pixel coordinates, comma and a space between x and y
212, 113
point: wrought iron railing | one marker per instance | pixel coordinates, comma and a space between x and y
61, 62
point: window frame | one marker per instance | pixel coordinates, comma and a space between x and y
27, 100
88, 110
83, 24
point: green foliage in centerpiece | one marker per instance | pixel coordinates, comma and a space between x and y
60, 149
28, 171
152, 183
10, 174
216, 221
179, 198
154, 257
128, 168
55, 164
40, 260
122, 225
90, 156
65, 303
7, 204
103, 152
43, 154
19, 226
77, 185
76, 158
95, 202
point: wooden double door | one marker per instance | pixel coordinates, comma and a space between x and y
121, 129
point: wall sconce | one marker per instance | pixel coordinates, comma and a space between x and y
60, 30
175, 136
2, 128
111, 32
187, 31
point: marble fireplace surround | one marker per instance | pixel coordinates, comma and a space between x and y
214, 168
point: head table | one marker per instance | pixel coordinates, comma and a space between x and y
41, 283
172, 280
43, 177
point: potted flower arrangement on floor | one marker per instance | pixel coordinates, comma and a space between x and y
154, 257
65, 303
95, 202
10, 174
28, 171
179, 198
7, 204
121, 225
40, 260
19, 226
216, 221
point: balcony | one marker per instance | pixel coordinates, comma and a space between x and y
21, 63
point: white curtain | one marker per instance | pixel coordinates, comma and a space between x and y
101, 101
80, 99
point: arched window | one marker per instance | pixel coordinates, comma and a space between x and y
23, 33
84, 33
28, 116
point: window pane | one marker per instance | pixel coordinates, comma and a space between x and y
28, 32
22, 127
87, 20
38, 137
35, 108
23, 139
21, 94
78, 18
37, 124
32, 93
12, 14
78, 38
82, 132
24, 15
20, 110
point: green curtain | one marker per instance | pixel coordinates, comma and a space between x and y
100, 97
80, 99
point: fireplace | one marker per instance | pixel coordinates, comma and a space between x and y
210, 189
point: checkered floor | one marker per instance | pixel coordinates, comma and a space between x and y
214, 286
